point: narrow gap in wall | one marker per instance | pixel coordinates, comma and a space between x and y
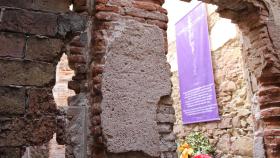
61, 92
71, 7
64, 74
235, 130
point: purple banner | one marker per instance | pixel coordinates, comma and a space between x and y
197, 88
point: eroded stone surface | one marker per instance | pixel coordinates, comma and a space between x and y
135, 77
12, 100
17, 72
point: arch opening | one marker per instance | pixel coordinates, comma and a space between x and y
252, 21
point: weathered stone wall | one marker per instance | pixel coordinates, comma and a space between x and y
259, 24
233, 135
32, 34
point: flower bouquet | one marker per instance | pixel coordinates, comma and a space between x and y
195, 146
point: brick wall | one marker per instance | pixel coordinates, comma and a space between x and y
117, 49
32, 34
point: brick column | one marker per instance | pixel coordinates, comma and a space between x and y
131, 81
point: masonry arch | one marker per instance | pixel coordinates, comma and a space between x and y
108, 60
261, 57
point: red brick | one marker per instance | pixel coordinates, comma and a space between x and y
13, 45
135, 12
272, 140
97, 69
76, 59
96, 130
101, 1
76, 50
43, 49
160, 24
29, 22
270, 112
159, 2
145, 5
272, 132
96, 120
102, 7
272, 124
77, 41
273, 150
107, 16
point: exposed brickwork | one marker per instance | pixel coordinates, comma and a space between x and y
30, 25
78, 115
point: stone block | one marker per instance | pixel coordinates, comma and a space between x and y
26, 73
41, 101
30, 22
166, 146
24, 132
225, 123
166, 118
164, 128
71, 22
169, 137
166, 110
228, 86
46, 5
43, 49
12, 45
243, 146
12, 100
77, 129
135, 64
224, 143
236, 122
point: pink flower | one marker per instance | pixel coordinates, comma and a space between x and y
202, 156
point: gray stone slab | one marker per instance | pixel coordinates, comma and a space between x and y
136, 76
